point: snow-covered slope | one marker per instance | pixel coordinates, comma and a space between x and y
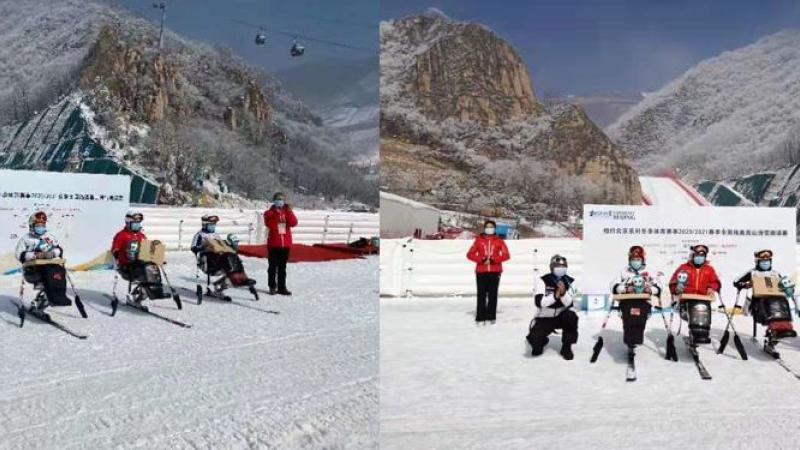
722, 117
240, 378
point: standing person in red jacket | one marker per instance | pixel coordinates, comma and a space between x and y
696, 276
279, 220
488, 252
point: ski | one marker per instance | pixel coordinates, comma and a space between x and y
696, 357
630, 375
44, 317
230, 300
777, 357
147, 311
218, 296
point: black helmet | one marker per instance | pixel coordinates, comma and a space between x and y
558, 260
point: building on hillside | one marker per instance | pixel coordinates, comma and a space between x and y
57, 139
403, 217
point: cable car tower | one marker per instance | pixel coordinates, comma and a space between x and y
162, 5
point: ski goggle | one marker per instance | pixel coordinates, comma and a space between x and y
700, 250
558, 261
763, 254
636, 252
40, 217
210, 219
135, 217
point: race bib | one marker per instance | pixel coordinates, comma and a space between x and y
281, 228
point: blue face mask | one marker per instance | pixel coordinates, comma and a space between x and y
211, 228
136, 226
279, 203
40, 230
699, 260
636, 264
765, 265
559, 271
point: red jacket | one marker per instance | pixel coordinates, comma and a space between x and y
279, 223
119, 247
488, 246
700, 279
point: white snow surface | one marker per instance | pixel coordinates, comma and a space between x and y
240, 378
446, 383
665, 191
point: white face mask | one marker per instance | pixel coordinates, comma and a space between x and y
488, 230
559, 271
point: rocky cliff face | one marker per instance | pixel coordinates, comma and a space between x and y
150, 86
457, 100
471, 74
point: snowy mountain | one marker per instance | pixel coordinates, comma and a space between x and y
726, 117
180, 117
461, 128
344, 94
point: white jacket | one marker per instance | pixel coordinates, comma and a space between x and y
626, 277
199, 239
28, 245
544, 296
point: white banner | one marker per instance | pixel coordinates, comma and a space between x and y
84, 212
666, 233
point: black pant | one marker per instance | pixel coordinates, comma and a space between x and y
488, 283
54, 282
567, 321
634, 320
278, 257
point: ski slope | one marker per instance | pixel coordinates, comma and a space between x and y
446, 383
666, 191
241, 378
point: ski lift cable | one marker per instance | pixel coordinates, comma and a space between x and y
332, 20
305, 37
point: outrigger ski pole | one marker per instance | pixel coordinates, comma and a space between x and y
78, 302
726, 335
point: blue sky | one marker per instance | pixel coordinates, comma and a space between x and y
354, 22
601, 46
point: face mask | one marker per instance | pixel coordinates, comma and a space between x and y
279, 203
636, 264
559, 271
699, 260
489, 230
765, 265
40, 230
136, 226
211, 228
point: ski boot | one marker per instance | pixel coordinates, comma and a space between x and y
39, 303
537, 350
220, 286
566, 352
770, 342
136, 297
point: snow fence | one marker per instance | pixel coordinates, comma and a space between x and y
439, 268
435, 268
175, 227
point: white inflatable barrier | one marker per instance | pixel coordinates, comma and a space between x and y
435, 268
411, 267
176, 226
